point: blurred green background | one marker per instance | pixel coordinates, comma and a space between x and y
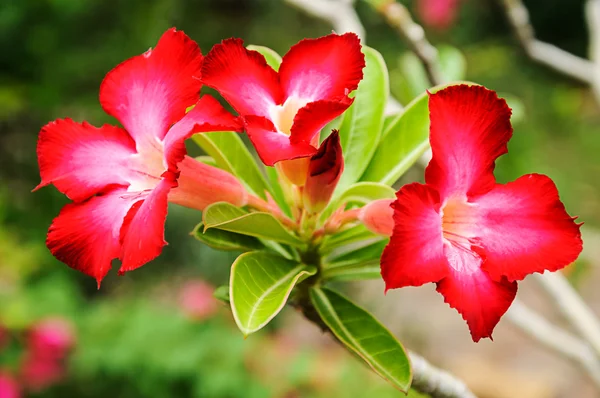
134, 339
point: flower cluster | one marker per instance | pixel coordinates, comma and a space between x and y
462, 230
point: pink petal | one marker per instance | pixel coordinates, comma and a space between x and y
150, 92
85, 236
82, 160
207, 115
470, 127
143, 231
9, 387
271, 145
242, 77
310, 119
415, 254
525, 228
324, 68
480, 300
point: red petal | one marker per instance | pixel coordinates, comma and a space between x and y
143, 231
470, 127
242, 77
271, 145
207, 115
480, 300
85, 236
415, 254
310, 119
525, 228
150, 92
74, 157
323, 68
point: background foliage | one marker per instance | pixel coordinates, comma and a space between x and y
134, 340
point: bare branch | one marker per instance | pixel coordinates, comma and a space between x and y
555, 338
592, 12
544, 53
436, 382
339, 13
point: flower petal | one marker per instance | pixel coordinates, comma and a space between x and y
324, 68
524, 228
207, 115
242, 77
480, 300
470, 127
85, 236
310, 119
143, 231
271, 145
150, 92
82, 160
415, 254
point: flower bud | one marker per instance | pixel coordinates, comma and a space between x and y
295, 170
200, 185
324, 172
378, 216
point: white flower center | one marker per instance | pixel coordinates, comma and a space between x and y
283, 115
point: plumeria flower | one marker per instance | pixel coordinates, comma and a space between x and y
120, 179
462, 230
284, 111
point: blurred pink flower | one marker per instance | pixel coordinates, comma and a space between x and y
8, 386
438, 14
39, 372
51, 338
197, 301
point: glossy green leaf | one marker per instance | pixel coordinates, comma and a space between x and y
230, 154
405, 140
348, 236
273, 59
357, 264
362, 334
260, 285
359, 193
362, 123
224, 240
228, 217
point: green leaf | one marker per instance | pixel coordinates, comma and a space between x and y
222, 293
346, 237
224, 240
273, 59
260, 285
356, 265
362, 122
230, 154
403, 143
206, 160
452, 63
277, 190
228, 217
360, 193
365, 336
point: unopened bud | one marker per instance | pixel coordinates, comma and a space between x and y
200, 185
295, 170
378, 216
324, 172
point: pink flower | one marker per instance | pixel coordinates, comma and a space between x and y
197, 301
39, 373
438, 14
284, 111
462, 230
120, 179
8, 386
324, 172
51, 338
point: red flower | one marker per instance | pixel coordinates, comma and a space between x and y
470, 235
284, 111
324, 172
121, 178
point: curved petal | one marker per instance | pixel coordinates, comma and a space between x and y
415, 254
470, 127
207, 115
85, 236
310, 119
242, 77
82, 160
271, 145
143, 231
323, 68
480, 300
150, 92
524, 228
